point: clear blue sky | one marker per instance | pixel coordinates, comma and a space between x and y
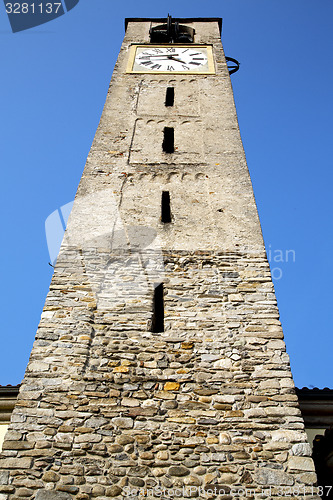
53, 86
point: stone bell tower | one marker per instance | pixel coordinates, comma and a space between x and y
159, 363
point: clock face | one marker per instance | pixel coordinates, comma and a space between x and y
171, 59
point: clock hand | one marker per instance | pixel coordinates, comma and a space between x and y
158, 55
175, 59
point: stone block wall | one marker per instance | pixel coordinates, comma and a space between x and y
108, 406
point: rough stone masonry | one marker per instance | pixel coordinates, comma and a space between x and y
206, 406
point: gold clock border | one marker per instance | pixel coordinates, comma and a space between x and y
210, 59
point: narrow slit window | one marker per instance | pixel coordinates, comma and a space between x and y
158, 309
169, 140
170, 96
165, 207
